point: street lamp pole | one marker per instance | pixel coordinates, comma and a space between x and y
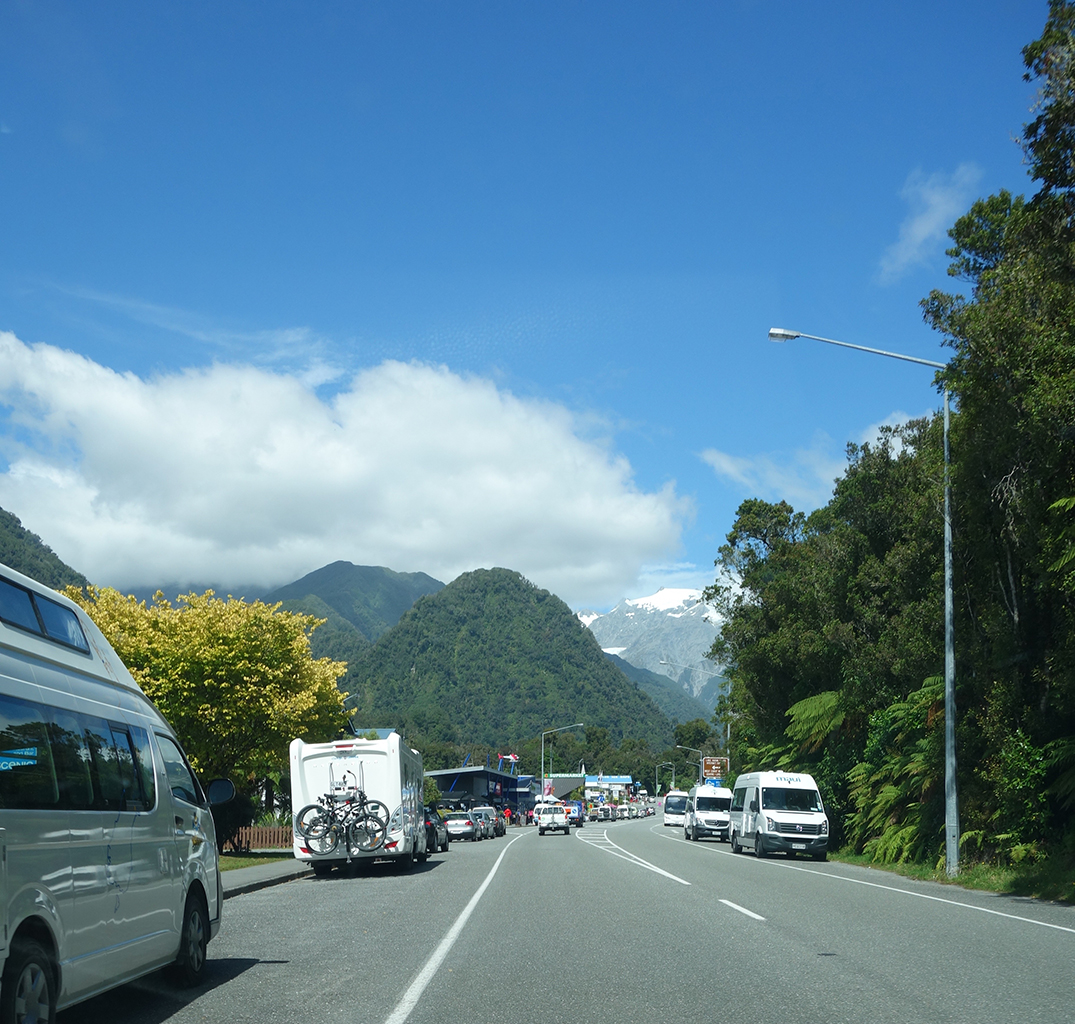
951, 802
680, 746
547, 732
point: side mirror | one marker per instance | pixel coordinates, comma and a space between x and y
220, 791
753, 806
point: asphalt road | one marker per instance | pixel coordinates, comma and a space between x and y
624, 923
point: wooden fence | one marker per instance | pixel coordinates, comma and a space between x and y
261, 837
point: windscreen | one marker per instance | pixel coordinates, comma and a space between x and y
675, 804
712, 803
790, 799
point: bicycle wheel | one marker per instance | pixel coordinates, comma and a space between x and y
366, 833
312, 821
324, 842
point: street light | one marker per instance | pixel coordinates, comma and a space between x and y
547, 732
679, 746
951, 803
656, 777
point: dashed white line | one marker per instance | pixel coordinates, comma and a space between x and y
742, 910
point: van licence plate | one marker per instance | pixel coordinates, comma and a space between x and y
798, 846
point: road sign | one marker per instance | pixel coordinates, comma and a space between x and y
714, 767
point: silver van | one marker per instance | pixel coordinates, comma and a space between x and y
109, 858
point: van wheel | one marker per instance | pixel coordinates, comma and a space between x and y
736, 848
759, 845
193, 940
28, 992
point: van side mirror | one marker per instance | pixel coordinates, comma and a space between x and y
220, 791
754, 806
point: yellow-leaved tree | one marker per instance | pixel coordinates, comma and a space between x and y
237, 681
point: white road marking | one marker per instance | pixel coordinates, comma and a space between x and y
410, 998
896, 889
742, 910
603, 843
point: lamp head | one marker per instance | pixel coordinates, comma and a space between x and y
781, 334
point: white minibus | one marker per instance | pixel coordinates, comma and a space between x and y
109, 853
778, 812
707, 812
675, 807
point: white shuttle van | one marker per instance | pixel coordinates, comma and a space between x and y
675, 807
778, 812
387, 770
707, 812
109, 863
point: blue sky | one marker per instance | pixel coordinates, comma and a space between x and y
439, 286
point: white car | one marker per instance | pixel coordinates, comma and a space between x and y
552, 818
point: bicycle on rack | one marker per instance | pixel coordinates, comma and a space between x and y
344, 812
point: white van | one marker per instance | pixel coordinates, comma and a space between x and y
675, 807
109, 864
707, 812
387, 770
778, 812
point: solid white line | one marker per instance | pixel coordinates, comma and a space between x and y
425, 975
742, 910
632, 858
896, 889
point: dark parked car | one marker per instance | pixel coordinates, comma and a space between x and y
436, 832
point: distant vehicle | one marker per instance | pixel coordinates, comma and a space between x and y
575, 812
632, 811
778, 812
552, 818
386, 770
675, 807
605, 813
109, 867
707, 812
489, 821
436, 831
463, 825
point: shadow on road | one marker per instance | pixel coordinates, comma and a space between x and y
155, 998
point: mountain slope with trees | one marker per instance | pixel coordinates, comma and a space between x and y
25, 552
492, 659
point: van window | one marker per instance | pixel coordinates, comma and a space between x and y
144, 765
180, 777
780, 799
27, 774
711, 803
36, 614
71, 755
738, 799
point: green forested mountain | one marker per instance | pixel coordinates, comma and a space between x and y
25, 552
674, 702
492, 659
370, 598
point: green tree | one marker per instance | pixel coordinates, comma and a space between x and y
236, 680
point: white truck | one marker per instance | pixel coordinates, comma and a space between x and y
386, 770
552, 818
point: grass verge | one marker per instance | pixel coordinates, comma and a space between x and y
231, 861
1050, 879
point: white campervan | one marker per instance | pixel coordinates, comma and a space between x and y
778, 812
675, 807
707, 812
109, 857
386, 770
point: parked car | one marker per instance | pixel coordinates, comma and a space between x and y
494, 824
463, 825
436, 832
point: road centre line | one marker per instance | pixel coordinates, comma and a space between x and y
627, 856
410, 998
742, 910
896, 889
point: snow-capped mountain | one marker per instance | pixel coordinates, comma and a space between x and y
668, 632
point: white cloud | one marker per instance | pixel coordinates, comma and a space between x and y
238, 474
805, 478
935, 201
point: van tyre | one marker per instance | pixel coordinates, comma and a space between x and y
28, 992
759, 845
736, 848
193, 942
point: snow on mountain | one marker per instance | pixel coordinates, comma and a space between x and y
668, 632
